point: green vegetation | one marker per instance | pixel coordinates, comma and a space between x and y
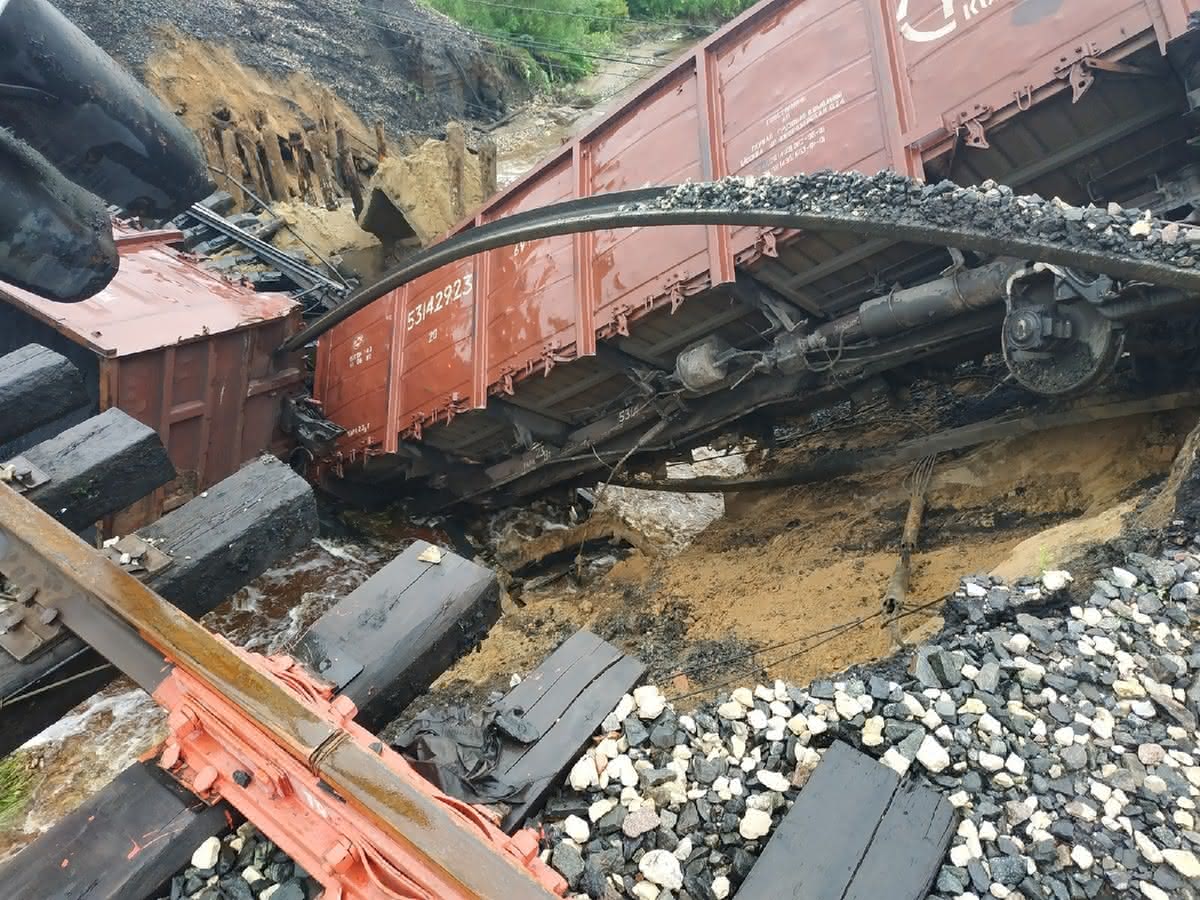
564, 37
707, 11
15, 782
569, 39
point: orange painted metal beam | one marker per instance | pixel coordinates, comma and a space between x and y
264, 735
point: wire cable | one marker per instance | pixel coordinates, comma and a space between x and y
18, 698
827, 636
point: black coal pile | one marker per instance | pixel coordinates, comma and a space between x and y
1059, 718
991, 211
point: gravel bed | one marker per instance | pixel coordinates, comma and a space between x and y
243, 865
1059, 718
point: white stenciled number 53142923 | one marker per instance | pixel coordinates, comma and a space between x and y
455, 290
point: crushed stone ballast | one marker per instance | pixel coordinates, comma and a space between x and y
1058, 717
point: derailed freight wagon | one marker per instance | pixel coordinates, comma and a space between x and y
179, 349
529, 365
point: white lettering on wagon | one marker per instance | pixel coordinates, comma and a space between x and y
935, 31
458, 289
787, 139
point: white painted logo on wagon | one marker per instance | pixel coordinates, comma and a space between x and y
933, 31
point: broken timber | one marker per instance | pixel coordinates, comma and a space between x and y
456, 160
235, 169
487, 167
840, 463
564, 700
347, 170
217, 543
897, 590
123, 843
37, 386
856, 832
389, 639
98, 467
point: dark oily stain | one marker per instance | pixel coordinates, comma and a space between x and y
1030, 12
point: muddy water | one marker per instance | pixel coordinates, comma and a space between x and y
85, 750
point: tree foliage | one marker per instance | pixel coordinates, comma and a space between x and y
565, 39
572, 38
707, 11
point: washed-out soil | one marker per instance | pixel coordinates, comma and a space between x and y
784, 564
769, 590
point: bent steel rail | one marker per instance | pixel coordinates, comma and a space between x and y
633, 209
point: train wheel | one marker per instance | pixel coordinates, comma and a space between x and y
1061, 349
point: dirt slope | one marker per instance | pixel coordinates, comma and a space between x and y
409, 67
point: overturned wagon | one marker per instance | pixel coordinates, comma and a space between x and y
530, 364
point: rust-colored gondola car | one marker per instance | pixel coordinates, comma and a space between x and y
178, 348
478, 366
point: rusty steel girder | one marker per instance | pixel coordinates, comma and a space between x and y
271, 740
